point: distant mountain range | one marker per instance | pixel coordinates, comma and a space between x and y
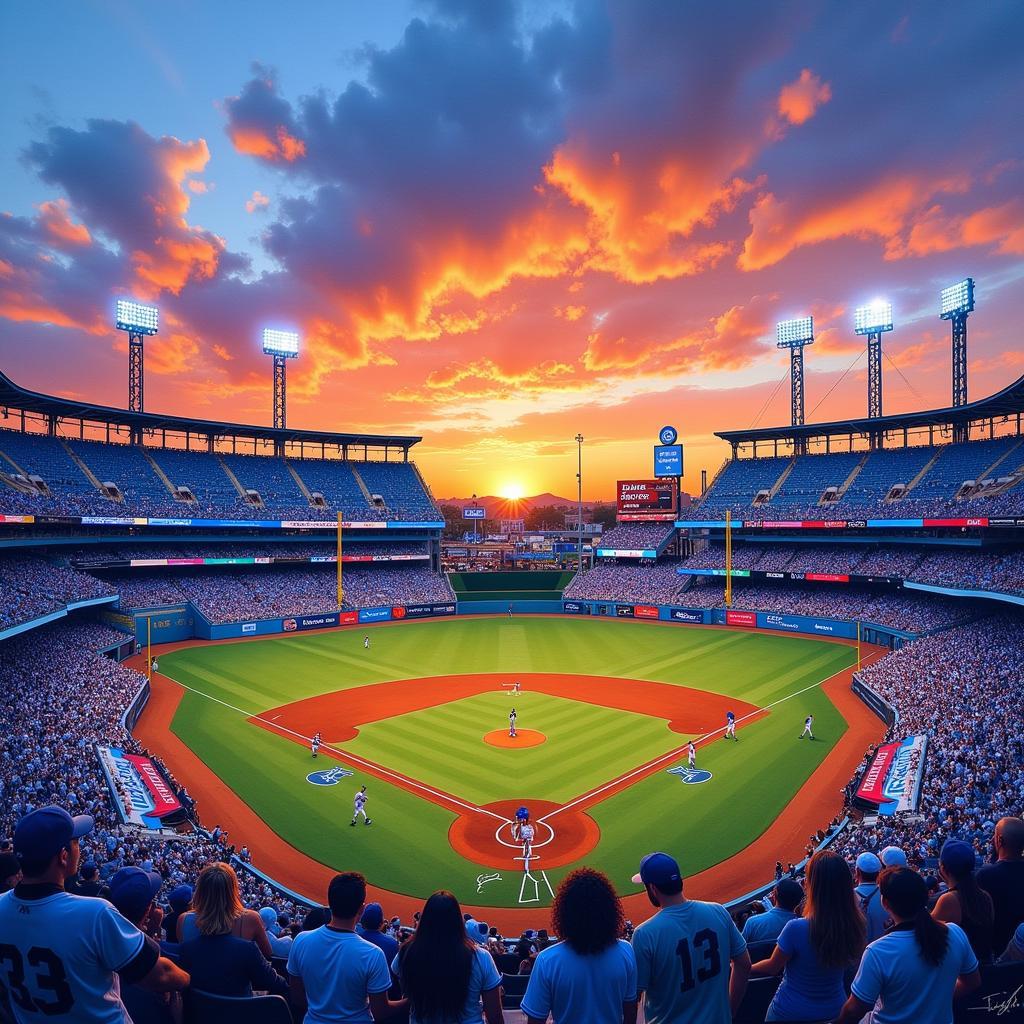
498, 506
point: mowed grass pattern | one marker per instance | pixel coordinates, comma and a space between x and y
586, 745
407, 847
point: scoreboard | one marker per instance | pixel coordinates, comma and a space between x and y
646, 499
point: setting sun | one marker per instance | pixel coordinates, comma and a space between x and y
511, 491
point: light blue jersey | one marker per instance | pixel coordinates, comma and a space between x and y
574, 988
683, 957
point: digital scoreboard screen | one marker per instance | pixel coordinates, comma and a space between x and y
646, 499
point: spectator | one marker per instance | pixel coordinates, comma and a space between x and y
179, 900
912, 974
335, 975
893, 857
788, 894
1004, 880
222, 948
591, 974
816, 950
444, 974
964, 903
88, 882
83, 942
10, 872
133, 892
1014, 952
216, 901
674, 948
866, 876
280, 945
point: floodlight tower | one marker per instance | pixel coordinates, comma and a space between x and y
282, 345
794, 335
872, 320
138, 321
957, 301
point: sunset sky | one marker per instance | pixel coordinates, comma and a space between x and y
500, 224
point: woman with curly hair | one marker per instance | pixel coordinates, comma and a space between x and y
590, 975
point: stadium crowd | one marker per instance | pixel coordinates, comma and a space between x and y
32, 587
611, 581
96, 556
237, 595
636, 536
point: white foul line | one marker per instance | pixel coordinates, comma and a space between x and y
401, 780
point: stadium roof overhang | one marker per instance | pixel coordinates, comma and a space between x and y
1004, 404
59, 409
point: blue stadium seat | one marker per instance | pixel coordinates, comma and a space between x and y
206, 1008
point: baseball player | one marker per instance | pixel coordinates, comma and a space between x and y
524, 832
66, 956
315, 743
512, 723
359, 807
808, 727
517, 687
366, 643
730, 724
691, 754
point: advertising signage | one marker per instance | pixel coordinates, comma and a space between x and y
624, 611
668, 460
646, 499
474, 513
576, 607
686, 615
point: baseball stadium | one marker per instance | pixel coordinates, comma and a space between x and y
732, 733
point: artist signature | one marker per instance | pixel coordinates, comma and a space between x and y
482, 880
996, 1004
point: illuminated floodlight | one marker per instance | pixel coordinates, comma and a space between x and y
280, 343
957, 299
791, 333
873, 318
136, 318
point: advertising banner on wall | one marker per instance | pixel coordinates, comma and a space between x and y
139, 791
740, 619
374, 614
805, 624
893, 779
624, 611
686, 615
576, 607
645, 611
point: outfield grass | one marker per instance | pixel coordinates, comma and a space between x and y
584, 746
407, 848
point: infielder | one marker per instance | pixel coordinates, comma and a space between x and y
359, 807
808, 724
691, 754
730, 724
512, 723
524, 832
516, 687
315, 743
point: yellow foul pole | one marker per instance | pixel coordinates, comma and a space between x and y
149, 648
341, 590
728, 559
858, 645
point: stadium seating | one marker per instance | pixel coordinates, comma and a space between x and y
658, 583
31, 587
127, 467
399, 485
207, 1008
812, 474
270, 477
337, 483
637, 536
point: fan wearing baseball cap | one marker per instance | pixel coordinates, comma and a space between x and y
64, 950
683, 953
965, 903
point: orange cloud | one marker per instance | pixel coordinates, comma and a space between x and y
58, 226
887, 211
800, 99
276, 146
570, 313
199, 187
258, 201
1001, 226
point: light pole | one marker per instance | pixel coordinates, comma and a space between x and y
139, 322
579, 502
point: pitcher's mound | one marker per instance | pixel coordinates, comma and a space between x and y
523, 738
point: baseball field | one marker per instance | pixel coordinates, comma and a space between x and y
421, 719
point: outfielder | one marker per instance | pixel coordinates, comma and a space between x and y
366, 643
691, 754
359, 807
808, 724
512, 723
730, 724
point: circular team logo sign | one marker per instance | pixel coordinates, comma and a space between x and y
668, 435
691, 776
328, 776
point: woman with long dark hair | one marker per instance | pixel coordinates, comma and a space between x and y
590, 975
965, 903
915, 971
817, 949
445, 976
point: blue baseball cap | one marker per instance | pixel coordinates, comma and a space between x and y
522, 813
132, 890
869, 863
373, 916
658, 869
44, 832
957, 856
180, 896
893, 857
